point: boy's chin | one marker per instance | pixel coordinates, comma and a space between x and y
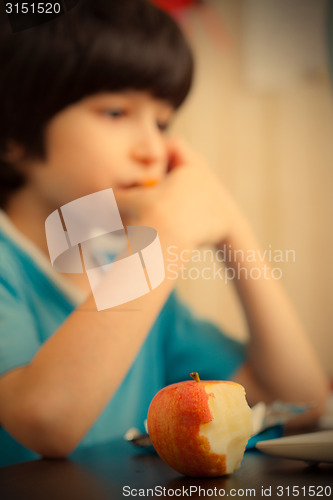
126, 220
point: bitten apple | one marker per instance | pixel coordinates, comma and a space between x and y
200, 428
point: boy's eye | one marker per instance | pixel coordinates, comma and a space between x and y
115, 112
162, 126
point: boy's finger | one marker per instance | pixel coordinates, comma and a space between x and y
178, 153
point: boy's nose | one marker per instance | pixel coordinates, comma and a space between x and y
149, 149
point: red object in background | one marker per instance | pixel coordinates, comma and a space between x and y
208, 15
172, 5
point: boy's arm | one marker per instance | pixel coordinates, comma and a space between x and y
281, 363
50, 404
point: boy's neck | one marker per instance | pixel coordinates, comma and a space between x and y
28, 214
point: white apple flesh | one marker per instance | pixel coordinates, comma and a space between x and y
231, 426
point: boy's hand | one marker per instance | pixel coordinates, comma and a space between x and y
190, 205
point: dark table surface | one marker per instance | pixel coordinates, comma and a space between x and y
118, 470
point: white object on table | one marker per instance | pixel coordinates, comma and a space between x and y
314, 447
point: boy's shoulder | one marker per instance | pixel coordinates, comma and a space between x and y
19, 271
11, 264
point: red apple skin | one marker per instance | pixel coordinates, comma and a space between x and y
174, 419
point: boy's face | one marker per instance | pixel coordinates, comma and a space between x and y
105, 140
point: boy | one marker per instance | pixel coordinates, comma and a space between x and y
86, 100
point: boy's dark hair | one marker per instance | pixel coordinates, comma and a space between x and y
330, 37
100, 45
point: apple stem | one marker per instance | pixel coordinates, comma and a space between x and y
195, 376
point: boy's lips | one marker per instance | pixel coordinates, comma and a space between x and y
150, 182
143, 183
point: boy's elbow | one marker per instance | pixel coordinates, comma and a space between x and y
54, 438
321, 404
43, 431
317, 408
50, 448
54, 444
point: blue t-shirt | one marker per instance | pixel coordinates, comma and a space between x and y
33, 306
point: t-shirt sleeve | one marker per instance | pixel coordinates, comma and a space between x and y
18, 336
193, 344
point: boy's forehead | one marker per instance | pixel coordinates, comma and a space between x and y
135, 96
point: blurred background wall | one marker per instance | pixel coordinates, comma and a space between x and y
261, 113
